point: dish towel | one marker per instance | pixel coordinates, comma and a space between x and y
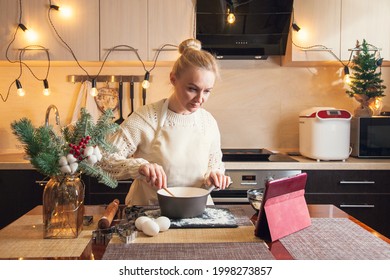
84, 99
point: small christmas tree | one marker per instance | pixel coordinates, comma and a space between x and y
366, 79
366, 83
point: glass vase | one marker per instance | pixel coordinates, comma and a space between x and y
63, 206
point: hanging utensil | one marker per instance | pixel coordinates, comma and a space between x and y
131, 97
120, 93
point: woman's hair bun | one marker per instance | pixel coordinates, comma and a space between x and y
190, 44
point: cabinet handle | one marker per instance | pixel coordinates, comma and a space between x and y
357, 205
248, 184
125, 182
41, 182
356, 182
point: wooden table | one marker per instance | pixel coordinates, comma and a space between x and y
89, 250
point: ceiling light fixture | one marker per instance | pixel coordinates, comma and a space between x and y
20, 91
93, 91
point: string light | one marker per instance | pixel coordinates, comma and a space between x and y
145, 82
347, 77
20, 91
231, 18
31, 35
46, 90
64, 11
93, 91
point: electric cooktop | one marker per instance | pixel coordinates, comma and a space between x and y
254, 155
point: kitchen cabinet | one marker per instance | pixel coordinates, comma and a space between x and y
170, 22
19, 193
364, 194
80, 31
146, 26
123, 22
338, 24
320, 25
368, 20
97, 193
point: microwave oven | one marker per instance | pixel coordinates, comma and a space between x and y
370, 137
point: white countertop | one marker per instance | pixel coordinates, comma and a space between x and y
19, 162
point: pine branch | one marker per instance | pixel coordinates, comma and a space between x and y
102, 176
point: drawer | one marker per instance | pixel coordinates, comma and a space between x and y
348, 181
370, 209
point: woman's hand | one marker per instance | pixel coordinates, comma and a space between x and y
219, 180
154, 174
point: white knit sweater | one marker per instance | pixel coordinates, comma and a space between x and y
137, 132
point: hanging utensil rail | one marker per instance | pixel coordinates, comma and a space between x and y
108, 78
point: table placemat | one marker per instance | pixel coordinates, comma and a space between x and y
24, 239
189, 251
335, 239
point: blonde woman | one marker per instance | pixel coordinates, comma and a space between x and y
173, 142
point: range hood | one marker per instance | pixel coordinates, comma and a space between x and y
260, 29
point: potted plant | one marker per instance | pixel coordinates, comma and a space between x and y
366, 83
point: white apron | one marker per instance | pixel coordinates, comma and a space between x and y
182, 151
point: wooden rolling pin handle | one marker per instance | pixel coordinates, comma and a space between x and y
108, 216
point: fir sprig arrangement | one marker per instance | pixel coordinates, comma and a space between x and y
365, 79
77, 149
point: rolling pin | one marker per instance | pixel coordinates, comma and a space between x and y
109, 213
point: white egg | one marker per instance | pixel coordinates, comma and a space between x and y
150, 228
163, 222
139, 221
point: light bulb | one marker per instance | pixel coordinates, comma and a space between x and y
231, 18
46, 90
20, 91
31, 35
66, 12
93, 91
145, 82
347, 77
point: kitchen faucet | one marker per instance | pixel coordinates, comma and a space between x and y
48, 113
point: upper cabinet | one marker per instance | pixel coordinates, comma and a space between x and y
368, 20
80, 31
320, 25
123, 22
145, 26
170, 22
337, 25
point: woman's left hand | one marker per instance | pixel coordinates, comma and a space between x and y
219, 180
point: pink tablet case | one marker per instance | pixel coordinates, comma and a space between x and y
284, 209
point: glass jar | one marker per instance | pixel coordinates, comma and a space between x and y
63, 206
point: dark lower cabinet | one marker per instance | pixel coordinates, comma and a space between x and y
19, 193
363, 194
97, 193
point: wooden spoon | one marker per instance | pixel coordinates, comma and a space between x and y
168, 191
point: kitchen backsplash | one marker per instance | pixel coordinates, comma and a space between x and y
256, 103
